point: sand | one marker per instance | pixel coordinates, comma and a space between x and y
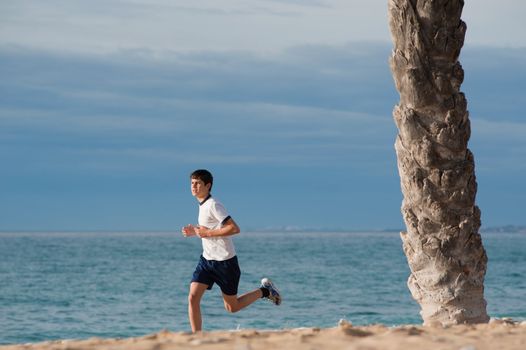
498, 334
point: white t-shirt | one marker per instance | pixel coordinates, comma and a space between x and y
212, 214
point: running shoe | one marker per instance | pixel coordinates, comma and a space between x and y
274, 295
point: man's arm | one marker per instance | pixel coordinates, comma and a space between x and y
229, 228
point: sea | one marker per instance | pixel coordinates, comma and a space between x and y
77, 285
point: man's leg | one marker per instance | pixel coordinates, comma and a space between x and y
233, 303
194, 305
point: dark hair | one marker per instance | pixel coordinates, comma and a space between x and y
203, 175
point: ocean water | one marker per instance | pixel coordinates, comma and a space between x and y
80, 285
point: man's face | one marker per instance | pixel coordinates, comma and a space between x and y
199, 189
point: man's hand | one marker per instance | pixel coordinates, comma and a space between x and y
202, 231
189, 230
199, 231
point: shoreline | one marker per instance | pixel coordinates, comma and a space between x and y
498, 334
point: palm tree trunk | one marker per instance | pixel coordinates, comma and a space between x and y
437, 171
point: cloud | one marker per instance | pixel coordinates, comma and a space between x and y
308, 117
316, 3
492, 23
494, 83
253, 25
495, 79
500, 130
123, 111
309, 104
499, 145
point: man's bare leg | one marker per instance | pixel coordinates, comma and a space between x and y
194, 305
233, 303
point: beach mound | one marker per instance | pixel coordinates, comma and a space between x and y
498, 334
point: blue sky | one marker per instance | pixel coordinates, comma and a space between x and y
107, 106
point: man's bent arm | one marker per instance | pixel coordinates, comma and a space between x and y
229, 228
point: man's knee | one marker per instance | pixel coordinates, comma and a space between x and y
193, 299
231, 307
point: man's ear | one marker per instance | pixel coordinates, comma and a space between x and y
208, 186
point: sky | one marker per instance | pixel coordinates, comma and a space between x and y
106, 107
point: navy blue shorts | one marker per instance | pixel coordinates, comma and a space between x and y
225, 273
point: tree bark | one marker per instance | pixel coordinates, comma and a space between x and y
437, 171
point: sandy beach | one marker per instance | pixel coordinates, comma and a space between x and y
498, 334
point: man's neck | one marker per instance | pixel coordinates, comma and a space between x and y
201, 200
